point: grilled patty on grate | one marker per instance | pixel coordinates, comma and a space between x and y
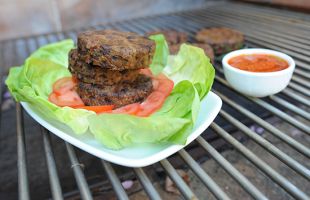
207, 49
172, 37
118, 95
115, 50
175, 39
221, 39
96, 75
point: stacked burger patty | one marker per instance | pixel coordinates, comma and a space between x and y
107, 65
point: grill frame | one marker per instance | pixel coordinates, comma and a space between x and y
234, 15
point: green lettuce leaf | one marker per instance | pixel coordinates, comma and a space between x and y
161, 54
33, 82
172, 123
191, 64
190, 70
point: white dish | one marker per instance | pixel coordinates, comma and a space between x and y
258, 84
138, 156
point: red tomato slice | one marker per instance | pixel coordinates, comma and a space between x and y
165, 86
63, 85
155, 83
152, 103
53, 98
161, 76
146, 71
98, 109
70, 98
130, 109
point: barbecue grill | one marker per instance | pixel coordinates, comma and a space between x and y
264, 27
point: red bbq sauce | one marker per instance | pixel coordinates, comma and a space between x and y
258, 63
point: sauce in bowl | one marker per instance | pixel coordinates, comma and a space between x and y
258, 63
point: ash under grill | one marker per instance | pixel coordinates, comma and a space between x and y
264, 27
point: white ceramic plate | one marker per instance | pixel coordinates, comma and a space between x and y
138, 156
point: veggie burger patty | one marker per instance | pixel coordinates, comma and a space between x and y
115, 50
118, 94
221, 39
172, 37
176, 38
107, 67
96, 75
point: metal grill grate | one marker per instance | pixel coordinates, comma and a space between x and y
285, 31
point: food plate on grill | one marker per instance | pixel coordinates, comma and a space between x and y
139, 155
118, 95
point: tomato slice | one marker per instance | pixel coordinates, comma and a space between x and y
162, 87
98, 109
53, 98
165, 86
63, 85
155, 83
70, 98
146, 71
152, 103
64, 94
161, 76
130, 109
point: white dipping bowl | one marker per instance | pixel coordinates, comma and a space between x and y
258, 84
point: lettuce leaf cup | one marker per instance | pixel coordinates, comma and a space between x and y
190, 70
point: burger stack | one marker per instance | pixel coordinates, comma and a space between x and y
106, 65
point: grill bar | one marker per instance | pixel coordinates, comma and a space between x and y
296, 97
255, 14
265, 28
268, 146
51, 166
270, 22
189, 27
216, 20
291, 107
275, 13
273, 109
264, 167
78, 174
284, 116
212, 19
176, 178
204, 177
301, 81
146, 183
301, 73
243, 181
264, 23
271, 30
300, 89
276, 132
118, 188
23, 187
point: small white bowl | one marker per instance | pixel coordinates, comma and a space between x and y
258, 84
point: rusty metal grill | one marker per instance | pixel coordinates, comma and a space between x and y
265, 27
